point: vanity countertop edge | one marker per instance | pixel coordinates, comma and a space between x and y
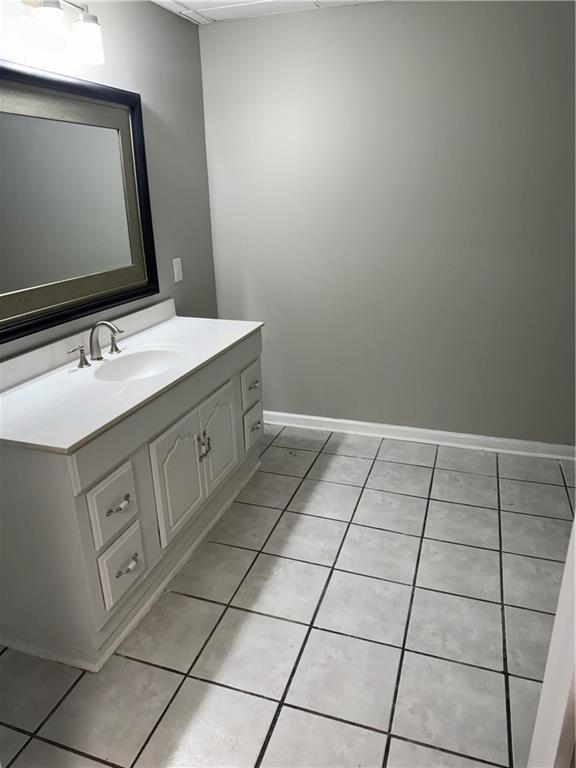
62, 409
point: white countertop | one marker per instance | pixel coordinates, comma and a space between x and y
67, 406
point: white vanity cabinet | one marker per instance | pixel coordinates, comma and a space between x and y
191, 458
179, 487
112, 504
219, 423
91, 535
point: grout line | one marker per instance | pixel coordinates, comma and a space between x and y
401, 533
22, 748
525, 677
78, 752
411, 650
446, 751
300, 477
292, 448
376, 578
327, 630
231, 688
242, 609
282, 428
408, 495
154, 664
228, 606
60, 700
334, 718
33, 736
270, 731
532, 610
533, 557
212, 632
540, 517
418, 536
305, 476
532, 482
351, 455
17, 728
503, 618
408, 617
196, 597
43, 722
296, 448
566, 488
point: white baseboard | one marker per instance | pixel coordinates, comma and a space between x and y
456, 439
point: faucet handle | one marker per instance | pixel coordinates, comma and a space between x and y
113, 346
83, 362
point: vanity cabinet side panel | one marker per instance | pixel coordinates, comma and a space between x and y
43, 581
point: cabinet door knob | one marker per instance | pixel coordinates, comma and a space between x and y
206, 437
130, 567
256, 426
255, 384
121, 507
205, 444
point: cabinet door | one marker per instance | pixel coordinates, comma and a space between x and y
177, 473
218, 417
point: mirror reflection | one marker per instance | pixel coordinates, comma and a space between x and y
62, 202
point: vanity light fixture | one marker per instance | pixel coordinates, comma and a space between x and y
86, 28
88, 36
49, 13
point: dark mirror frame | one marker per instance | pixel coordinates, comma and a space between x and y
95, 93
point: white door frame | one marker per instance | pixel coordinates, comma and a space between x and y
554, 733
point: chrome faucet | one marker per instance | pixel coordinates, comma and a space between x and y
95, 348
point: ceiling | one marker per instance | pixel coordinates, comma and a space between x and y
211, 11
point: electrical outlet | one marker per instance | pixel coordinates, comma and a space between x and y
177, 270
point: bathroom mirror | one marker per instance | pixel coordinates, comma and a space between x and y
75, 227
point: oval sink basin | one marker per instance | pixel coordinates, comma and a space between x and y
137, 365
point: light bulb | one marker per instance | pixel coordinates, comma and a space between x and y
88, 39
50, 14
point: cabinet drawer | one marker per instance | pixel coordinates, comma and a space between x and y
121, 565
251, 383
253, 426
112, 504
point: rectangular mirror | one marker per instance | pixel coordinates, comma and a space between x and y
75, 228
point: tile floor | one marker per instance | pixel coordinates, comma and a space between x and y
364, 603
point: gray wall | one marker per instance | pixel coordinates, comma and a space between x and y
392, 192
153, 52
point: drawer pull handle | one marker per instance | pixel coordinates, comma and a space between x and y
255, 384
256, 426
130, 567
121, 507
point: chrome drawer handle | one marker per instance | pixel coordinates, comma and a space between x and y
255, 384
130, 567
256, 426
120, 508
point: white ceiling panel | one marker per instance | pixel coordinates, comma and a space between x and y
196, 5
213, 11
332, 3
248, 10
